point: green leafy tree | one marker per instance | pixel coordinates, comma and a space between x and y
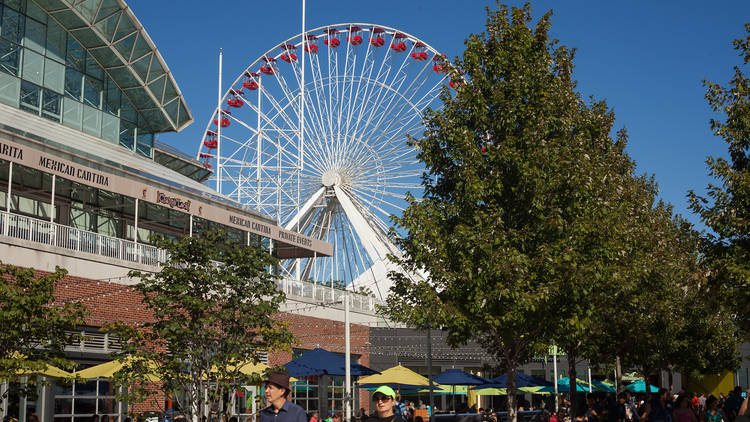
35, 328
726, 209
520, 185
214, 306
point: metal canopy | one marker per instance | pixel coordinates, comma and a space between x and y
112, 34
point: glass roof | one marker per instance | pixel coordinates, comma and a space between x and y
109, 30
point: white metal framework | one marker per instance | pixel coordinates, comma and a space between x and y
335, 165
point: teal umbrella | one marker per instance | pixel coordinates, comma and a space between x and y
563, 386
640, 387
602, 386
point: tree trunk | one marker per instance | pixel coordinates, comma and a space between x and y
511, 390
618, 374
671, 379
573, 385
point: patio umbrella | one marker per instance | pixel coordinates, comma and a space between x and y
563, 386
46, 370
322, 362
108, 369
402, 387
640, 387
603, 386
397, 377
456, 377
522, 380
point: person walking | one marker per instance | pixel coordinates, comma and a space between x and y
384, 399
712, 413
682, 411
280, 408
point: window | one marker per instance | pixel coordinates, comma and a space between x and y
82, 400
92, 121
54, 75
92, 92
35, 35
33, 66
56, 41
12, 27
10, 55
76, 55
73, 83
31, 96
72, 113
51, 105
10, 89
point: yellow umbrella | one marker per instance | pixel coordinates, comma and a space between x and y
396, 375
108, 369
251, 368
47, 370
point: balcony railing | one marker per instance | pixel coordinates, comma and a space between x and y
70, 238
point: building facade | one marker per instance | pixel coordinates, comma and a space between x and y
85, 186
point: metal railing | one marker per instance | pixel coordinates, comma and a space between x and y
71, 238
327, 295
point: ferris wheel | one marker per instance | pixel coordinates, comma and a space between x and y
324, 151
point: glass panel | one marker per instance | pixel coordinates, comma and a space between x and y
16, 4
93, 68
36, 12
12, 28
107, 406
30, 97
110, 127
112, 102
123, 29
145, 144
33, 66
35, 35
85, 406
92, 121
141, 66
63, 406
127, 111
92, 92
156, 70
56, 41
88, 8
108, 25
127, 135
125, 45
72, 113
76, 55
107, 7
73, 83
54, 75
51, 105
10, 56
10, 89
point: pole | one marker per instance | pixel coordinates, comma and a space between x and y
554, 368
347, 361
219, 117
589, 371
7, 198
302, 96
429, 370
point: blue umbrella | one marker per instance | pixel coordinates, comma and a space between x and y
603, 386
322, 362
522, 380
458, 377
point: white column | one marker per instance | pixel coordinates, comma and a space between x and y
135, 222
347, 360
589, 372
554, 368
191, 225
53, 232
220, 117
7, 198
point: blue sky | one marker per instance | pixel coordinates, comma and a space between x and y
646, 58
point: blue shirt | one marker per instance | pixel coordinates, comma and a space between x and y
289, 412
400, 409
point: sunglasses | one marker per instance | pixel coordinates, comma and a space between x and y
380, 398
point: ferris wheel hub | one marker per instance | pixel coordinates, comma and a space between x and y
331, 178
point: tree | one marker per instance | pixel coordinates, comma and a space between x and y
213, 306
726, 209
519, 185
36, 329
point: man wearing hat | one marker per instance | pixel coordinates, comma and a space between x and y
280, 409
383, 398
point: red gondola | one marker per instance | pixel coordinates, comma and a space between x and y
377, 42
419, 44
355, 40
210, 133
224, 122
268, 70
420, 56
441, 65
333, 42
455, 84
311, 48
235, 102
211, 144
289, 57
398, 47
251, 85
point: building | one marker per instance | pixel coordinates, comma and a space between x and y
85, 186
